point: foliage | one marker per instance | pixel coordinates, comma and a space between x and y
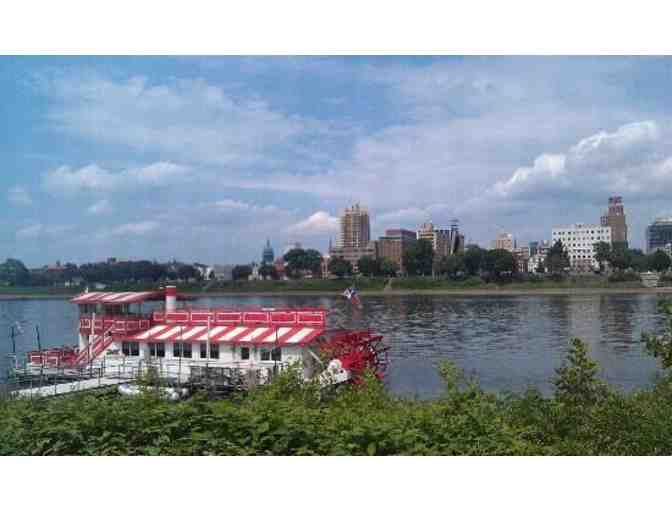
268, 271
419, 258
659, 261
339, 267
660, 346
292, 417
13, 272
389, 267
298, 260
602, 253
241, 272
368, 266
473, 259
557, 259
452, 265
620, 257
499, 262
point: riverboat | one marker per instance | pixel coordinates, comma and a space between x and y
128, 334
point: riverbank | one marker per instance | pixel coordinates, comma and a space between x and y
502, 291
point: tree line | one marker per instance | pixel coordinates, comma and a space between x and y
14, 273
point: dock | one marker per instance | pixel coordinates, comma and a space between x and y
55, 390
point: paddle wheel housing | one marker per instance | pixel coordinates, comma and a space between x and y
358, 352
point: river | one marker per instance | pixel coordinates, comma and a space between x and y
506, 343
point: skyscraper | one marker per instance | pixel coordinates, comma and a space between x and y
658, 234
354, 238
355, 228
615, 218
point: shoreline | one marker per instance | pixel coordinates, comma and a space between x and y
504, 292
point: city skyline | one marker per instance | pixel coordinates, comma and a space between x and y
204, 158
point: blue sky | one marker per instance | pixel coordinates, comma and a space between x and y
203, 158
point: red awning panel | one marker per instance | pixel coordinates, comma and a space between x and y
115, 298
240, 335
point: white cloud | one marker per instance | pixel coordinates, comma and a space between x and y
39, 230
191, 120
19, 196
93, 178
320, 222
100, 208
135, 229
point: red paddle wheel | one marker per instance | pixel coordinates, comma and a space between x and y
358, 351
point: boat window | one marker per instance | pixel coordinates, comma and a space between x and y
276, 354
204, 350
130, 348
157, 349
182, 350
245, 353
214, 351
265, 354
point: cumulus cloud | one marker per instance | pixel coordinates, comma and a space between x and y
93, 178
320, 222
631, 160
19, 196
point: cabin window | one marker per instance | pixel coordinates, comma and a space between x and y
182, 350
214, 351
271, 354
157, 349
130, 348
245, 353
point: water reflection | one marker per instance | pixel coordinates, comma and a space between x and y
507, 343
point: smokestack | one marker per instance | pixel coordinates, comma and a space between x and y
171, 298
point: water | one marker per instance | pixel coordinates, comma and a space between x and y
507, 343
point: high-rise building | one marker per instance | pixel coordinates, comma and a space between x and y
658, 234
504, 241
394, 244
355, 228
615, 218
354, 238
267, 256
579, 240
444, 241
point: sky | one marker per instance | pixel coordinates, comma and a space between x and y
204, 158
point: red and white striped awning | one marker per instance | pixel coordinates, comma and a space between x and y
256, 335
115, 298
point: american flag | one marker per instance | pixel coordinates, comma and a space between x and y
351, 295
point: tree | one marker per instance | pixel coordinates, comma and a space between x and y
295, 260
602, 253
620, 257
557, 259
473, 259
540, 267
499, 262
312, 261
368, 266
14, 272
452, 265
268, 271
577, 383
659, 261
418, 260
299, 260
640, 262
242, 272
187, 272
339, 266
389, 267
